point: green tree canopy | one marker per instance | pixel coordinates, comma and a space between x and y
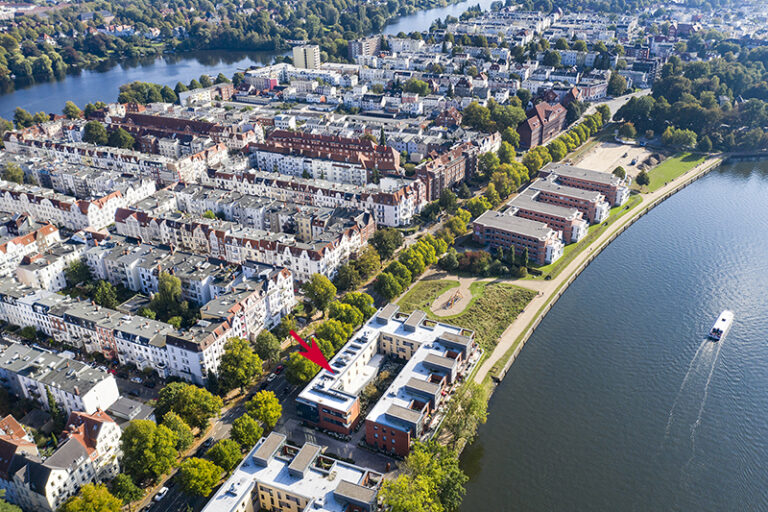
320, 291
225, 454
92, 498
123, 488
198, 477
246, 431
239, 365
184, 436
95, 133
265, 407
149, 450
267, 346
195, 405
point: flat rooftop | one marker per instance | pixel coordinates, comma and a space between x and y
564, 190
340, 389
581, 173
514, 224
526, 201
330, 487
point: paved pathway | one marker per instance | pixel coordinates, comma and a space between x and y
548, 288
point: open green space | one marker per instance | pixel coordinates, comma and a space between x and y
423, 294
493, 307
671, 168
593, 232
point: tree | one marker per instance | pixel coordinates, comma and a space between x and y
105, 295
347, 277
284, 328
387, 286
448, 200
265, 407
5, 506
617, 84
449, 261
319, 290
557, 149
299, 370
643, 179
705, 144
401, 273
147, 313
149, 450
184, 436
335, 331
368, 261
239, 365
267, 346
627, 131
551, 58
620, 172
506, 153
123, 488
195, 405
410, 494
417, 86
492, 195
72, 111
465, 412
344, 313
95, 133
525, 96
510, 136
679, 137
12, 172
58, 415
121, 139
198, 476
477, 206
441, 465
92, 498
246, 431
533, 161
225, 454
386, 242
77, 272
362, 302
22, 118
605, 112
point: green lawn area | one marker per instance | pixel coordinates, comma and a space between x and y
672, 168
593, 232
493, 307
424, 293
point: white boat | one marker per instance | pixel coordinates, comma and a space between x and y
722, 326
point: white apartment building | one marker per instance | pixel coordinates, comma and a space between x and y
306, 167
306, 56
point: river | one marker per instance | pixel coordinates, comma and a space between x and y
102, 84
617, 402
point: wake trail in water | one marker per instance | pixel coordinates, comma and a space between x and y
691, 367
696, 423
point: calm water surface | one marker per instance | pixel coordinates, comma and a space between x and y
617, 403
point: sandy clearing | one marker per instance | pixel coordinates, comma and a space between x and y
606, 156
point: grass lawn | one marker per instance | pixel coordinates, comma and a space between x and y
493, 307
672, 168
594, 231
424, 293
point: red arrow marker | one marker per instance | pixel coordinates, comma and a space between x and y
312, 353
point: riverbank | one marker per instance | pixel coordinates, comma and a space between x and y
512, 340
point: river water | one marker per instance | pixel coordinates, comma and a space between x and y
617, 402
103, 84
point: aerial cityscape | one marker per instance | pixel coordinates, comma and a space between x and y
403, 256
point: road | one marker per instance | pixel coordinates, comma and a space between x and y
616, 103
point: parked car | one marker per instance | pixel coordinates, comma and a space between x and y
279, 369
271, 377
161, 494
149, 384
134, 392
137, 380
208, 442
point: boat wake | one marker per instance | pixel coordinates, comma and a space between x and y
698, 358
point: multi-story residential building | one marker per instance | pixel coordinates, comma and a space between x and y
48, 206
591, 203
32, 373
545, 121
306, 56
280, 477
436, 355
89, 453
38, 237
47, 269
448, 169
611, 186
392, 202
363, 46
225, 241
496, 229
569, 221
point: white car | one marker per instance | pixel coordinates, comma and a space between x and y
161, 494
271, 377
136, 380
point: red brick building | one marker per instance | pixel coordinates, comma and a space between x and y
447, 169
545, 121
